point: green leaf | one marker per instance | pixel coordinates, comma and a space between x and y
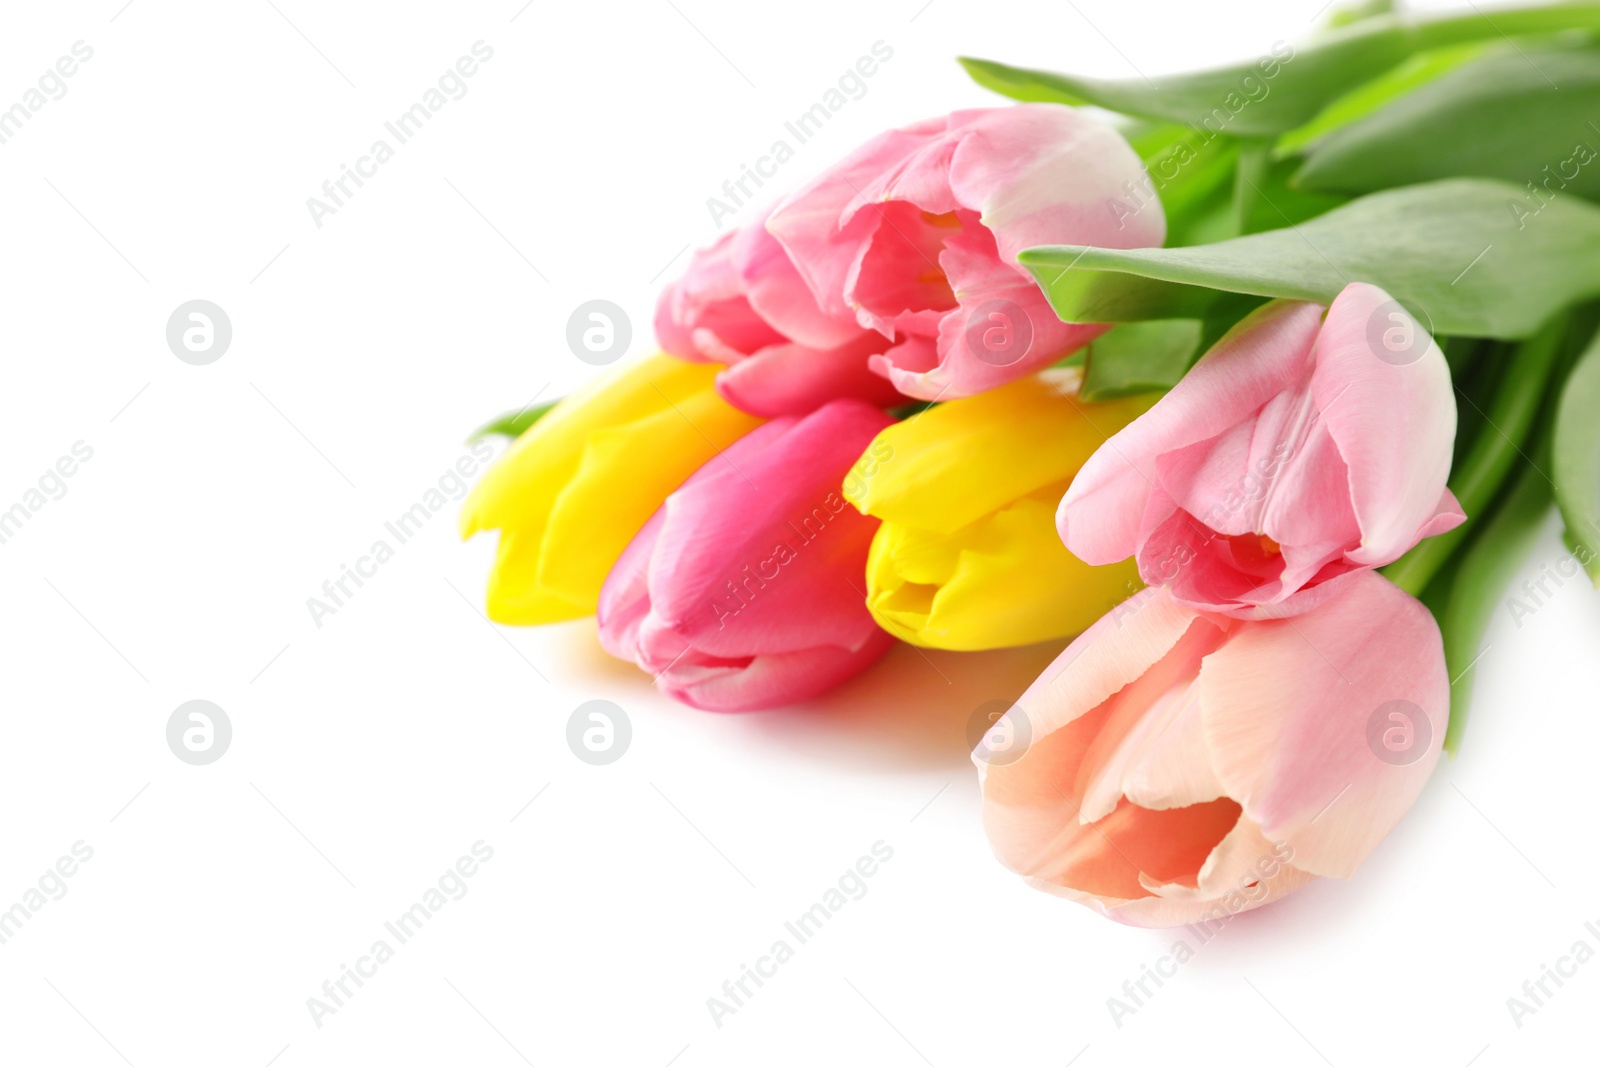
1362, 101
1576, 460
1288, 86
1139, 357
1449, 251
512, 423
1264, 199
1478, 477
1498, 116
1345, 14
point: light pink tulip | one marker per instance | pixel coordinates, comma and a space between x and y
916, 235
1177, 767
745, 590
1297, 452
742, 303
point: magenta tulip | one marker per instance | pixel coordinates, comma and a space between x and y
744, 590
742, 303
916, 236
1299, 451
1180, 767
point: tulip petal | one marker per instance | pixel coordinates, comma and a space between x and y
788, 379
912, 367
1447, 517
1102, 517
1287, 707
767, 680
995, 296
1241, 859
1206, 915
1307, 499
706, 311
899, 272
1108, 857
1043, 174
810, 223
1115, 651
1172, 766
1392, 416
1002, 581
779, 295
1243, 872
728, 571
1138, 719
625, 597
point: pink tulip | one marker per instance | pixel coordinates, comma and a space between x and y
745, 590
1297, 452
1180, 767
916, 235
743, 303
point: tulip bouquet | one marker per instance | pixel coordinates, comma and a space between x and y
1257, 381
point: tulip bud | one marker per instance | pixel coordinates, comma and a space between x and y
743, 591
1297, 452
967, 557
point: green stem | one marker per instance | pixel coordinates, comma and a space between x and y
1479, 475
1575, 460
1255, 159
1486, 568
916, 407
1465, 597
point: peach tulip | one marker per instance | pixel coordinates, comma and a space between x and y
1175, 766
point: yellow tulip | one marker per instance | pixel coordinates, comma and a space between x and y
968, 557
572, 491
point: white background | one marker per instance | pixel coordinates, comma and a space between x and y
370, 753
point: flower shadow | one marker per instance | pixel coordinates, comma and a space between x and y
912, 711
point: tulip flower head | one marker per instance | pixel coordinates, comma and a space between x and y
1297, 452
1175, 766
967, 557
915, 235
744, 590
